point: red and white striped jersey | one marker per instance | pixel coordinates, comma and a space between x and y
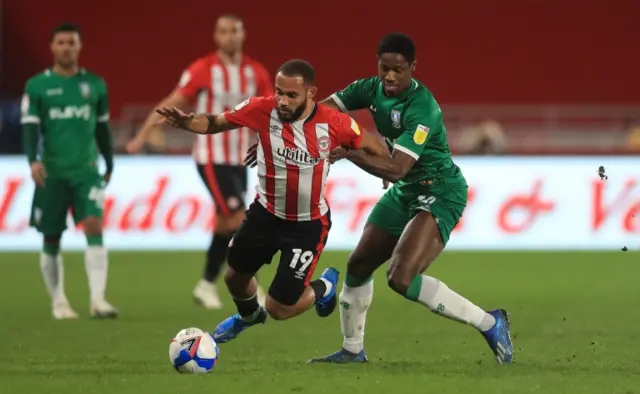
216, 87
293, 157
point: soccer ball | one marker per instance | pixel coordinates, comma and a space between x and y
193, 351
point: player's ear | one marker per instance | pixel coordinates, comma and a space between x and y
413, 65
311, 92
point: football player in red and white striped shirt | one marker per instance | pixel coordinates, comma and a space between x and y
216, 83
290, 214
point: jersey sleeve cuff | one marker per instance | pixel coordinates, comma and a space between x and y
406, 151
338, 102
30, 120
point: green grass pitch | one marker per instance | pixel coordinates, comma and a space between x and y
576, 319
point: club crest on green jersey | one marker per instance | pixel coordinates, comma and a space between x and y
395, 118
85, 90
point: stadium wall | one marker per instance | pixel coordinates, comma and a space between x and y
514, 203
495, 52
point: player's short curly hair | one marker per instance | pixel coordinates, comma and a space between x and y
398, 43
298, 68
65, 28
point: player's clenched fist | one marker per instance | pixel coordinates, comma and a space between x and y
38, 173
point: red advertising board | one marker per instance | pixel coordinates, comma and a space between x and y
496, 51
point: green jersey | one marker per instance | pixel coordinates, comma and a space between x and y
411, 123
67, 109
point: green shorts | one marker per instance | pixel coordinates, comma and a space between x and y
396, 208
84, 195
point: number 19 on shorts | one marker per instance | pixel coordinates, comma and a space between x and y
301, 261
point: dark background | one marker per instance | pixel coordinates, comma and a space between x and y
490, 52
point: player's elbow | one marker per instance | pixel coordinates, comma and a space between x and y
396, 173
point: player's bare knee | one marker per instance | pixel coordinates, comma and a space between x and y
232, 277
399, 279
52, 239
92, 226
278, 311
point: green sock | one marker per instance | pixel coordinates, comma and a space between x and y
413, 292
51, 249
353, 282
94, 240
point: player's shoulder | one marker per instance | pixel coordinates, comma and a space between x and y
39, 78
419, 93
263, 103
326, 114
92, 76
203, 62
421, 99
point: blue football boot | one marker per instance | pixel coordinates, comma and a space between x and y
327, 304
342, 356
499, 337
232, 326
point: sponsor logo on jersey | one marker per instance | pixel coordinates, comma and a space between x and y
324, 144
354, 127
54, 92
70, 112
372, 108
297, 157
85, 90
274, 128
395, 118
420, 136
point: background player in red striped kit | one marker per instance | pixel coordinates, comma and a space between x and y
290, 213
216, 83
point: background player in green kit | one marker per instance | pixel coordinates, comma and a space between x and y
412, 222
69, 107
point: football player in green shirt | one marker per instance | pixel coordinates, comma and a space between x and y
66, 107
413, 221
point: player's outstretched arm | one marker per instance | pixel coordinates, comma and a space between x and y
175, 99
199, 124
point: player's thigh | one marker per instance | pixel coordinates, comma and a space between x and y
50, 206
380, 236
419, 245
254, 244
301, 245
445, 205
88, 197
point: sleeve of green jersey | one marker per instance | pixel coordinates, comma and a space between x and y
30, 104
420, 117
102, 109
358, 95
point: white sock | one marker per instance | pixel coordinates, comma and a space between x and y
354, 302
440, 299
97, 265
53, 274
329, 287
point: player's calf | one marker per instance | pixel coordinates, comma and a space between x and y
97, 266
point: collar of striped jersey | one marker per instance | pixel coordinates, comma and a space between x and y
312, 113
